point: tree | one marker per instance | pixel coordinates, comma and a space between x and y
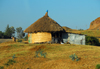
7, 32
12, 31
20, 33
1, 34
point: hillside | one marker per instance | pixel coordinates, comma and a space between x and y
57, 56
95, 25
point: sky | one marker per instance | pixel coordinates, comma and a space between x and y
75, 14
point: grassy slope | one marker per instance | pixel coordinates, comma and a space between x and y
95, 33
57, 56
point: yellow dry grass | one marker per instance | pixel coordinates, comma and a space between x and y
57, 56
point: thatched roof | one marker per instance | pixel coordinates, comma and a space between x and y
67, 28
44, 24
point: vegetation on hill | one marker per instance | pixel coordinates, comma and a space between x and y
95, 24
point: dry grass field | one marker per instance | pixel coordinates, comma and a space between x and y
57, 56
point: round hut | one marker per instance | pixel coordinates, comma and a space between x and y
44, 29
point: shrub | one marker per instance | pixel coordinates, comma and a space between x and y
98, 66
73, 57
10, 62
92, 40
1, 67
13, 56
41, 53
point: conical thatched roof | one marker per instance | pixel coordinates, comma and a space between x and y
44, 24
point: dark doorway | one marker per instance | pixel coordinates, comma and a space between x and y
56, 37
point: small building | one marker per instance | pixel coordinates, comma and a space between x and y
44, 29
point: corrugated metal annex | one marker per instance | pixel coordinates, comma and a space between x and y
73, 38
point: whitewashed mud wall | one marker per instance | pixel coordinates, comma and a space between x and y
73, 38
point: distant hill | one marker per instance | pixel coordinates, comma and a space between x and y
95, 25
68, 29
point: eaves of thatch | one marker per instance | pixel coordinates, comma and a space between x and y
44, 24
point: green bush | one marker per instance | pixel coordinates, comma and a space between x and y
1, 67
98, 66
92, 41
10, 62
74, 57
41, 53
13, 56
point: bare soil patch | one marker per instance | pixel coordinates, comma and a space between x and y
37, 48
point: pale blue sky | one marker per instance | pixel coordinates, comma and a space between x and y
70, 13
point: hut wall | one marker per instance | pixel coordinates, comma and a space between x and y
73, 38
29, 37
39, 37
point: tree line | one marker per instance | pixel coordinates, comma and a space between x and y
10, 32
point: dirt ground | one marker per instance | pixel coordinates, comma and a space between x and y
57, 56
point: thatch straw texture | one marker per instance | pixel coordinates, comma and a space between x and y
39, 37
66, 28
44, 24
